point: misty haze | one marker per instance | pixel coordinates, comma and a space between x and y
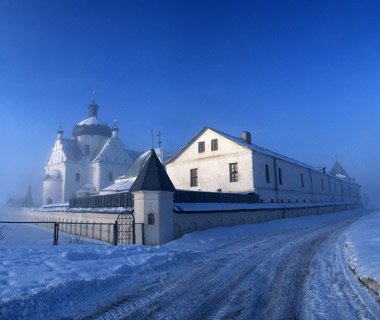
189, 160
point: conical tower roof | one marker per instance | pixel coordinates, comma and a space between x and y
152, 176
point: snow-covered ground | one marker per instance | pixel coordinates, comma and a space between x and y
362, 244
292, 268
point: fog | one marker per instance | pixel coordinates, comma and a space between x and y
302, 78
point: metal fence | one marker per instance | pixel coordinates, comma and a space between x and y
124, 199
215, 197
122, 232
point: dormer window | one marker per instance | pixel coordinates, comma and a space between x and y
87, 150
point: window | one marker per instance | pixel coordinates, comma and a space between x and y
267, 173
280, 176
233, 172
335, 186
110, 177
77, 177
193, 177
302, 182
214, 144
322, 186
151, 219
87, 150
201, 146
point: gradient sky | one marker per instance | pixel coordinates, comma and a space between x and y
303, 76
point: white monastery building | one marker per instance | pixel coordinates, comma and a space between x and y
86, 163
215, 161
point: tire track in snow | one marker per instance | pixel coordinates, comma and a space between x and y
247, 278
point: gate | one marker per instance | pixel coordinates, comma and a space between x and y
126, 229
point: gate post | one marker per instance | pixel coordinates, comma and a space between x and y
153, 201
154, 209
115, 233
56, 230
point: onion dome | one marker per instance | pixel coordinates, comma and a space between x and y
92, 125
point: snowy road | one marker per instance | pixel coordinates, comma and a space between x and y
297, 273
282, 269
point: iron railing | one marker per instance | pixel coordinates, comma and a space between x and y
122, 232
124, 199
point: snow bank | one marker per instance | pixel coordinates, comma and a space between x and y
65, 281
362, 249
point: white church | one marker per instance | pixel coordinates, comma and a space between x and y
87, 162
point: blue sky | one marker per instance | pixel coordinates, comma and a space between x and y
303, 76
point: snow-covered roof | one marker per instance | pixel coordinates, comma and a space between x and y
145, 172
125, 182
121, 186
91, 121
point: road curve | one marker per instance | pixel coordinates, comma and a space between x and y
297, 274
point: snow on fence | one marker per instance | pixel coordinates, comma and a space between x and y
124, 199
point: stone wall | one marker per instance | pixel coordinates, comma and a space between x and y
189, 222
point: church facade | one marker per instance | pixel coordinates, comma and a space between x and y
215, 161
87, 162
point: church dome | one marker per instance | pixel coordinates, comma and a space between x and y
92, 125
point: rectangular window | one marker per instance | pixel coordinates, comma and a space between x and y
77, 177
280, 176
87, 151
201, 146
214, 144
233, 172
267, 178
302, 182
110, 177
193, 177
335, 186
322, 186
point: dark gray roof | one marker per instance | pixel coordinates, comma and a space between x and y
71, 150
135, 168
338, 170
93, 129
152, 175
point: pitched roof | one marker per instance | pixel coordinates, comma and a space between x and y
338, 170
71, 150
115, 142
253, 147
152, 175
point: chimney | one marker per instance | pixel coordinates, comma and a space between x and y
246, 137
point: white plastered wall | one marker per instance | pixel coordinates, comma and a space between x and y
213, 166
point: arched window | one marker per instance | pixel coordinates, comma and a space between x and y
49, 201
